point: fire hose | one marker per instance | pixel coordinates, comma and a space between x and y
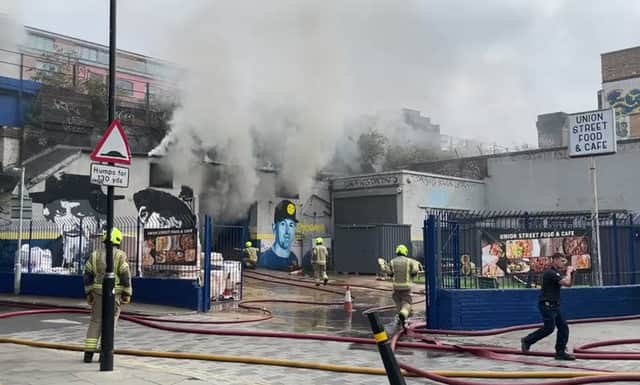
583, 377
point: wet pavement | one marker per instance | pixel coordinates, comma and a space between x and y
308, 319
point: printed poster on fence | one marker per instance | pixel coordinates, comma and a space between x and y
164, 247
521, 252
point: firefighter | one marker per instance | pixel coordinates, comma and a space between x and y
319, 256
402, 269
250, 256
94, 272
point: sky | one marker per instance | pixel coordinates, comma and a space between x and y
480, 69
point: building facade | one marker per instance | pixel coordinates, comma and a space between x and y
621, 89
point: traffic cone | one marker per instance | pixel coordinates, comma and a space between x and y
228, 289
348, 305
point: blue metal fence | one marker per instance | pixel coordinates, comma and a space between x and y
512, 249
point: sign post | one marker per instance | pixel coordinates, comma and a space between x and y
593, 133
112, 149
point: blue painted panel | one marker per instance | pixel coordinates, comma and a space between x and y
6, 282
168, 292
488, 309
52, 285
8, 110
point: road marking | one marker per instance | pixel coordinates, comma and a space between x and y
61, 321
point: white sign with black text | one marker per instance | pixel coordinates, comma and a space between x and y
106, 175
592, 133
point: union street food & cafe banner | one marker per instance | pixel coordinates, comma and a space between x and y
521, 252
169, 247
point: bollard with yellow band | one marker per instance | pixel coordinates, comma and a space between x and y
388, 358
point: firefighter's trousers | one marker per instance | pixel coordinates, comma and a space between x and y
320, 272
95, 323
403, 301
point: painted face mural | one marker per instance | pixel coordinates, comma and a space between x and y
159, 209
76, 206
280, 256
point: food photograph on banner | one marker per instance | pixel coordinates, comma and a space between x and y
170, 252
512, 253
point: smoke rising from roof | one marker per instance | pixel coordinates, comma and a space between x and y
263, 85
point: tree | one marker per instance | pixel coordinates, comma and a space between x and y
371, 147
56, 69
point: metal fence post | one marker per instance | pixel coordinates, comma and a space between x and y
455, 239
30, 243
206, 305
431, 260
138, 222
80, 255
526, 227
632, 250
616, 257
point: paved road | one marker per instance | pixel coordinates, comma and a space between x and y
303, 319
51, 322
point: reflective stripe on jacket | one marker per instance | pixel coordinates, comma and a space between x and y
403, 269
95, 270
252, 254
319, 255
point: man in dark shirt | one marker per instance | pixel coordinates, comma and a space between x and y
549, 305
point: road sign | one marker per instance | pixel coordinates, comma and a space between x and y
592, 133
113, 147
107, 175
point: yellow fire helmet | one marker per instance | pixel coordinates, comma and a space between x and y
402, 250
116, 236
248, 244
319, 241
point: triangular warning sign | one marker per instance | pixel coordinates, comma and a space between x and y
113, 147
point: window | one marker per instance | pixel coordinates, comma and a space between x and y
103, 57
46, 66
90, 54
140, 66
160, 176
41, 43
154, 68
124, 87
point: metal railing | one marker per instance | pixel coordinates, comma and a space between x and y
63, 245
513, 249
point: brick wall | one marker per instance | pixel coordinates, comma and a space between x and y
621, 64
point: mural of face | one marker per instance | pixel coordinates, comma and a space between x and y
285, 233
280, 256
75, 205
159, 209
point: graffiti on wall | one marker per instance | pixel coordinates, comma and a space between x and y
624, 103
279, 256
162, 210
77, 207
316, 215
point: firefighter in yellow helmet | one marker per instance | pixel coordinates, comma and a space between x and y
249, 255
402, 269
319, 256
94, 272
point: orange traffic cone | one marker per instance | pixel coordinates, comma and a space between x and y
228, 289
348, 305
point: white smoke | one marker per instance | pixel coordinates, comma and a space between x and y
274, 83
262, 84
12, 35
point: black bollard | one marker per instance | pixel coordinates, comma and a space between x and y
388, 357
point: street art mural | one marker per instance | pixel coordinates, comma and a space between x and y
161, 210
77, 207
624, 103
279, 256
